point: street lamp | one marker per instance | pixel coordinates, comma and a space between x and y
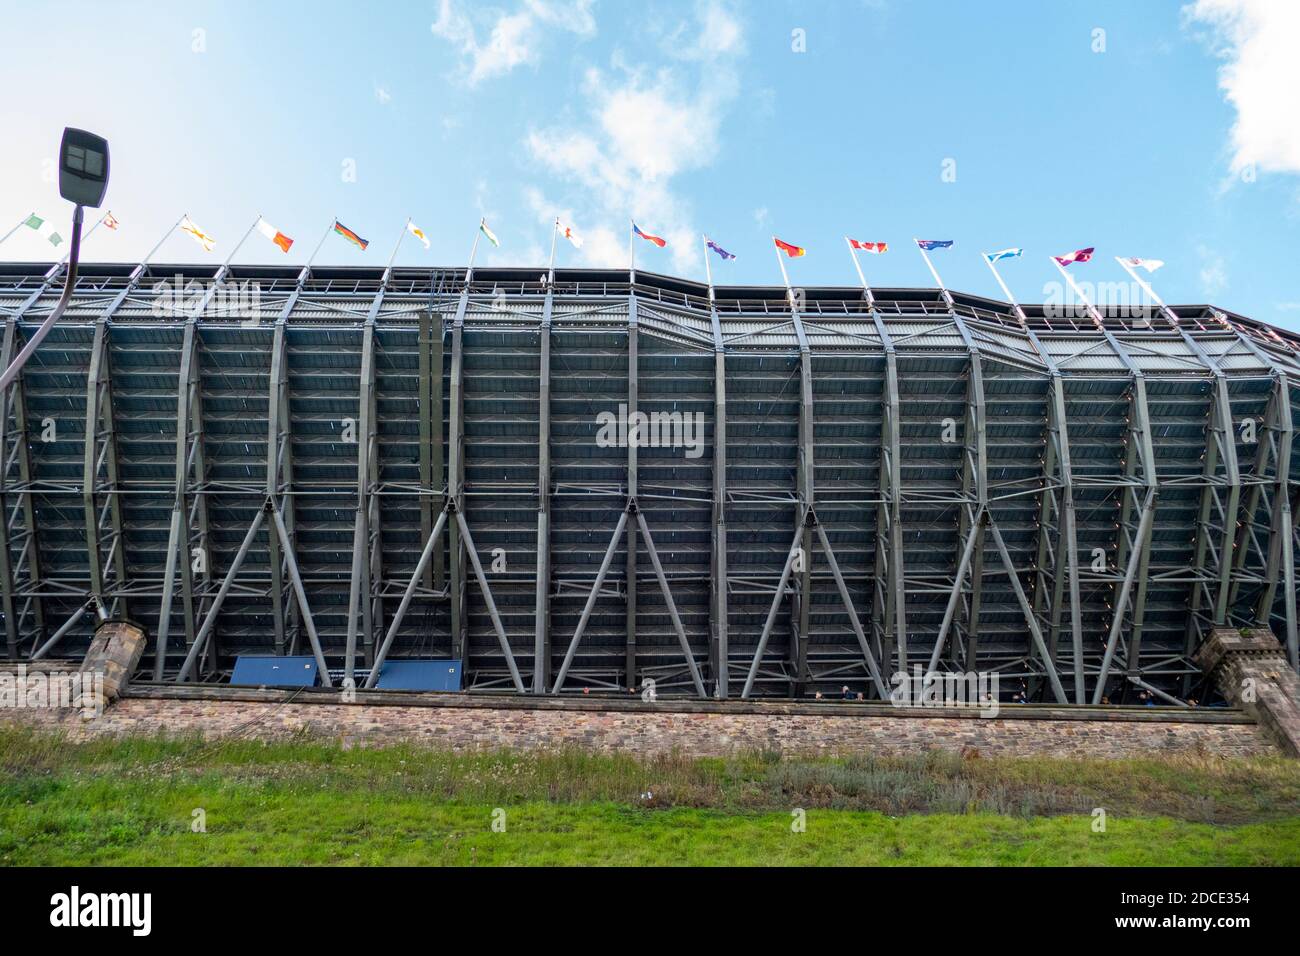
83, 180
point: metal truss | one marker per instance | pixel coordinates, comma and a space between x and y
1071, 436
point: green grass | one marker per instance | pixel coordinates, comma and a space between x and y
131, 802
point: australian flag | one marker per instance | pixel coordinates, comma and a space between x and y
931, 244
718, 249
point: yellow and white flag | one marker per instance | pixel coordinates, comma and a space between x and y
199, 236
416, 231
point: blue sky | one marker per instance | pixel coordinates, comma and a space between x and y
1171, 135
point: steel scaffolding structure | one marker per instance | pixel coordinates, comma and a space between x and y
401, 463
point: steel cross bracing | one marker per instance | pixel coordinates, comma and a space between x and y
977, 555
20, 572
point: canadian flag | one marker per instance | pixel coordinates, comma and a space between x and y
568, 233
873, 247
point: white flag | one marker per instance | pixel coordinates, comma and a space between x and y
568, 233
416, 231
199, 236
1151, 265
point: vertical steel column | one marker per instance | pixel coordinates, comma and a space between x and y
1139, 453
423, 399
14, 452
1214, 542
806, 478
1280, 551
177, 538
359, 590
974, 493
720, 649
455, 483
889, 607
101, 456
633, 439
277, 471
542, 600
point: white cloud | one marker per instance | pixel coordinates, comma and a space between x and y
513, 38
1259, 77
1213, 272
382, 96
645, 129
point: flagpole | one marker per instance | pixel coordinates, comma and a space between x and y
473, 251
1169, 313
631, 251
943, 289
708, 269
1092, 309
240, 243
871, 299
306, 270
145, 261
550, 269
21, 222
1020, 313
789, 293
58, 266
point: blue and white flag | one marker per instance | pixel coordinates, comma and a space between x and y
1003, 254
931, 244
718, 249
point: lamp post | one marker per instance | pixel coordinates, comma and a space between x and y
83, 180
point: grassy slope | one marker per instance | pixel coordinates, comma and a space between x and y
131, 802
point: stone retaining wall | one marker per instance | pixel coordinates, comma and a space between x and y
464, 722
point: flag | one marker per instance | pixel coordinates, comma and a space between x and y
275, 235
568, 233
873, 247
199, 236
1079, 255
349, 235
794, 252
109, 221
491, 236
649, 238
1151, 265
718, 249
416, 231
1003, 254
931, 244
43, 227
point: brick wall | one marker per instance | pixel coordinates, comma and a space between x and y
694, 728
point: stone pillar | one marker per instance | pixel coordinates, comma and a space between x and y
115, 652
1250, 668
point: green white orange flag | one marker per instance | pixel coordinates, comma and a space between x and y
491, 236
188, 225
275, 235
45, 228
416, 231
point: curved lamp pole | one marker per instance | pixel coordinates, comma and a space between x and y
83, 180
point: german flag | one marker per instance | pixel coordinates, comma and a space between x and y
349, 235
793, 252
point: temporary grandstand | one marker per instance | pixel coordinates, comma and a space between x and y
363, 463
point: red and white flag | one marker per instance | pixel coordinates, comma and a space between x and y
109, 221
275, 235
873, 247
1079, 255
